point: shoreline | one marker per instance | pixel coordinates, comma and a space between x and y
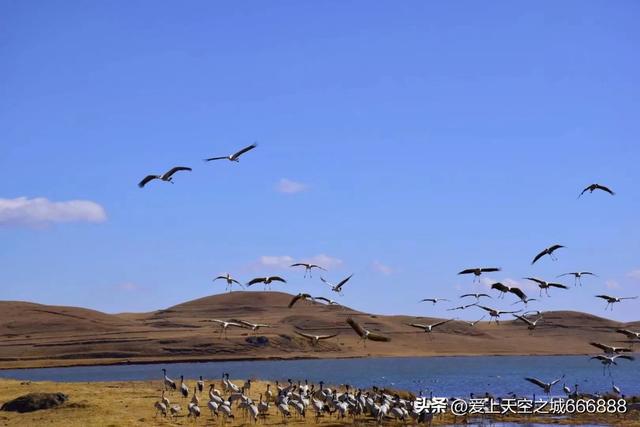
275, 359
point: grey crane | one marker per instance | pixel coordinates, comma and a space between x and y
166, 177
235, 157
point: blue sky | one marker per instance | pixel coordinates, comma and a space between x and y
415, 140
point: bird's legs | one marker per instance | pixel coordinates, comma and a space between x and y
546, 291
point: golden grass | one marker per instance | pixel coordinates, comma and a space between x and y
107, 404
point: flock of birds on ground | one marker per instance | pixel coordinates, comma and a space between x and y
372, 401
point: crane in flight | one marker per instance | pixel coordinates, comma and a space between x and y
235, 157
494, 314
613, 300
166, 177
315, 339
230, 281
307, 267
608, 349
531, 324
578, 276
266, 280
366, 334
608, 360
477, 272
544, 285
593, 187
547, 251
433, 300
544, 386
428, 328
337, 288
476, 295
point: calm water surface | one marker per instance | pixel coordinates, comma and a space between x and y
444, 376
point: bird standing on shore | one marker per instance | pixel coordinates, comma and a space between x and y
169, 384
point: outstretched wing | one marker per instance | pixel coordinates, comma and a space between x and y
467, 271
343, 281
220, 277
604, 188
418, 325
558, 285
555, 247
535, 279
300, 264
518, 292
302, 334
256, 280
607, 297
317, 266
524, 319
624, 356
485, 308
244, 150
499, 286
215, 158
298, 298
587, 188
146, 180
441, 323
326, 337
356, 327
174, 170
489, 269
278, 279
566, 274
626, 332
536, 382
537, 257
601, 346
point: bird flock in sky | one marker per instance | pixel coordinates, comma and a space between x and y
609, 357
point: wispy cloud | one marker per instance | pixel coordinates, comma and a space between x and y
128, 287
288, 186
612, 284
634, 274
280, 262
41, 212
379, 267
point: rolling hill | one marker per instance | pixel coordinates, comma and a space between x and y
34, 335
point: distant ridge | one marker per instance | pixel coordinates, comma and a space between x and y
36, 335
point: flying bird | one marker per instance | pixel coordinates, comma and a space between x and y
230, 281
531, 324
253, 326
307, 267
607, 361
520, 294
315, 339
494, 314
461, 307
503, 289
337, 288
473, 323
224, 325
629, 334
578, 276
548, 251
167, 176
366, 334
433, 300
299, 297
608, 349
545, 386
612, 300
327, 300
591, 188
266, 280
544, 285
478, 271
235, 157
429, 328
476, 296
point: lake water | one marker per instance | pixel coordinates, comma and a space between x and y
444, 376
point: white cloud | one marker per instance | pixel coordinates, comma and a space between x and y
278, 261
612, 284
381, 268
40, 212
635, 274
128, 287
284, 261
288, 186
